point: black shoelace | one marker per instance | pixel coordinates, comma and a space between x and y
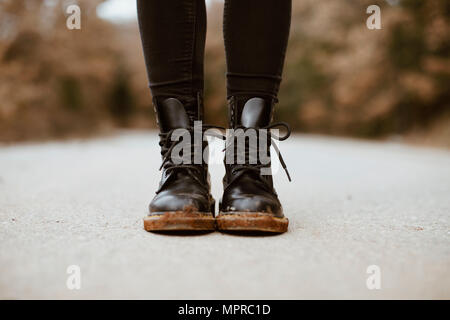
167, 145
238, 170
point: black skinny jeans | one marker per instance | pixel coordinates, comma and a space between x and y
173, 35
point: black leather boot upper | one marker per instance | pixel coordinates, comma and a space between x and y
246, 190
183, 187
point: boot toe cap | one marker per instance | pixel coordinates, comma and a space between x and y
252, 203
189, 203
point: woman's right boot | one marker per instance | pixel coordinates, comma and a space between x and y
183, 200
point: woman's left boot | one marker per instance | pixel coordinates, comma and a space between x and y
250, 202
183, 201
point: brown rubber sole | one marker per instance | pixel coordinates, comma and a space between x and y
180, 221
255, 221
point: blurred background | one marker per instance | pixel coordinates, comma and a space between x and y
340, 78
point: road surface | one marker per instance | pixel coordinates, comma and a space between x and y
352, 204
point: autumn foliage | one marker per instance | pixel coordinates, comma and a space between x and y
339, 77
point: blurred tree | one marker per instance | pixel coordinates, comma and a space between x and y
339, 77
55, 82
122, 101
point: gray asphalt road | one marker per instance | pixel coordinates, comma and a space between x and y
351, 204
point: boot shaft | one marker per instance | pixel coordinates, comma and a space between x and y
245, 114
259, 111
171, 112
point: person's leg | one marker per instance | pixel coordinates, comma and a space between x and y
256, 34
173, 38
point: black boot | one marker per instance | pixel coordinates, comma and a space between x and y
183, 200
249, 201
